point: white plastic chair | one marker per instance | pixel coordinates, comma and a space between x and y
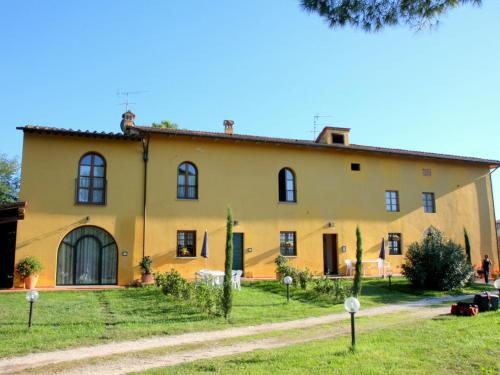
380, 266
348, 265
236, 279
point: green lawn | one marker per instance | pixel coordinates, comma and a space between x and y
75, 318
446, 345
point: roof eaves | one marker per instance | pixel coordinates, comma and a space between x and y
77, 133
306, 143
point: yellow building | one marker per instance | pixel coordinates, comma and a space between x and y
97, 202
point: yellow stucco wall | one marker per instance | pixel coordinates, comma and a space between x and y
245, 176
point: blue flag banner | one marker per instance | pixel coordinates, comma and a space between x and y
204, 248
382, 250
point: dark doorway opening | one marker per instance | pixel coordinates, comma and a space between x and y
238, 251
7, 253
330, 257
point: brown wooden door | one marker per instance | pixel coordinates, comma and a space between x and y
330, 257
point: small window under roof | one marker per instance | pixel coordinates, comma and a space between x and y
338, 138
355, 167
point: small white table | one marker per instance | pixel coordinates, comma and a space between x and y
214, 276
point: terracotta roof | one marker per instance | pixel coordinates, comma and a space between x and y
136, 133
305, 143
76, 133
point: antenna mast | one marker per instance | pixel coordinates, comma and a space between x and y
126, 95
317, 122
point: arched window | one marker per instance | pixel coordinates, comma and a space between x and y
88, 255
187, 181
287, 186
91, 182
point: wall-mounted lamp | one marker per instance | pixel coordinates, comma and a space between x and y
236, 223
249, 249
87, 219
330, 224
344, 248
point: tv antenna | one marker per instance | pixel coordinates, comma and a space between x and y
126, 94
317, 122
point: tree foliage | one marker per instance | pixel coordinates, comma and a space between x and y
165, 124
9, 179
467, 246
227, 297
373, 15
437, 263
358, 272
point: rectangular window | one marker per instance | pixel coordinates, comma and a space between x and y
355, 167
429, 202
427, 172
288, 243
395, 244
186, 243
392, 201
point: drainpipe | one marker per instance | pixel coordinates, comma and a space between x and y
145, 158
494, 214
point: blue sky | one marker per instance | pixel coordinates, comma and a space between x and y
265, 64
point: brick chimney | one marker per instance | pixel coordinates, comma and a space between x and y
228, 127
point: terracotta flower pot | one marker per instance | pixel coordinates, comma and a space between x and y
147, 279
30, 282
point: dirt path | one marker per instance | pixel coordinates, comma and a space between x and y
14, 364
126, 365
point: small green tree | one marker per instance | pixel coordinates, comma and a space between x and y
9, 179
165, 124
227, 297
467, 246
358, 272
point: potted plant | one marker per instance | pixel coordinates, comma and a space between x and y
29, 269
184, 252
147, 277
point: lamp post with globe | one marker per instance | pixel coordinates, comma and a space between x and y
497, 285
31, 297
288, 280
352, 306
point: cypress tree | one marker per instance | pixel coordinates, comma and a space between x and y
227, 297
467, 246
356, 286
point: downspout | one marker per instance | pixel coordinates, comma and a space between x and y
494, 214
145, 158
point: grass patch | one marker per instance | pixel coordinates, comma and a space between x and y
75, 318
448, 345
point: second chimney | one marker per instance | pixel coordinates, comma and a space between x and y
228, 127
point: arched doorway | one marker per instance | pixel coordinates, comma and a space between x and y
88, 255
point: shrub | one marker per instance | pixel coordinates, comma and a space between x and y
29, 266
358, 272
284, 269
436, 263
305, 278
145, 265
332, 287
172, 283
208, 299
